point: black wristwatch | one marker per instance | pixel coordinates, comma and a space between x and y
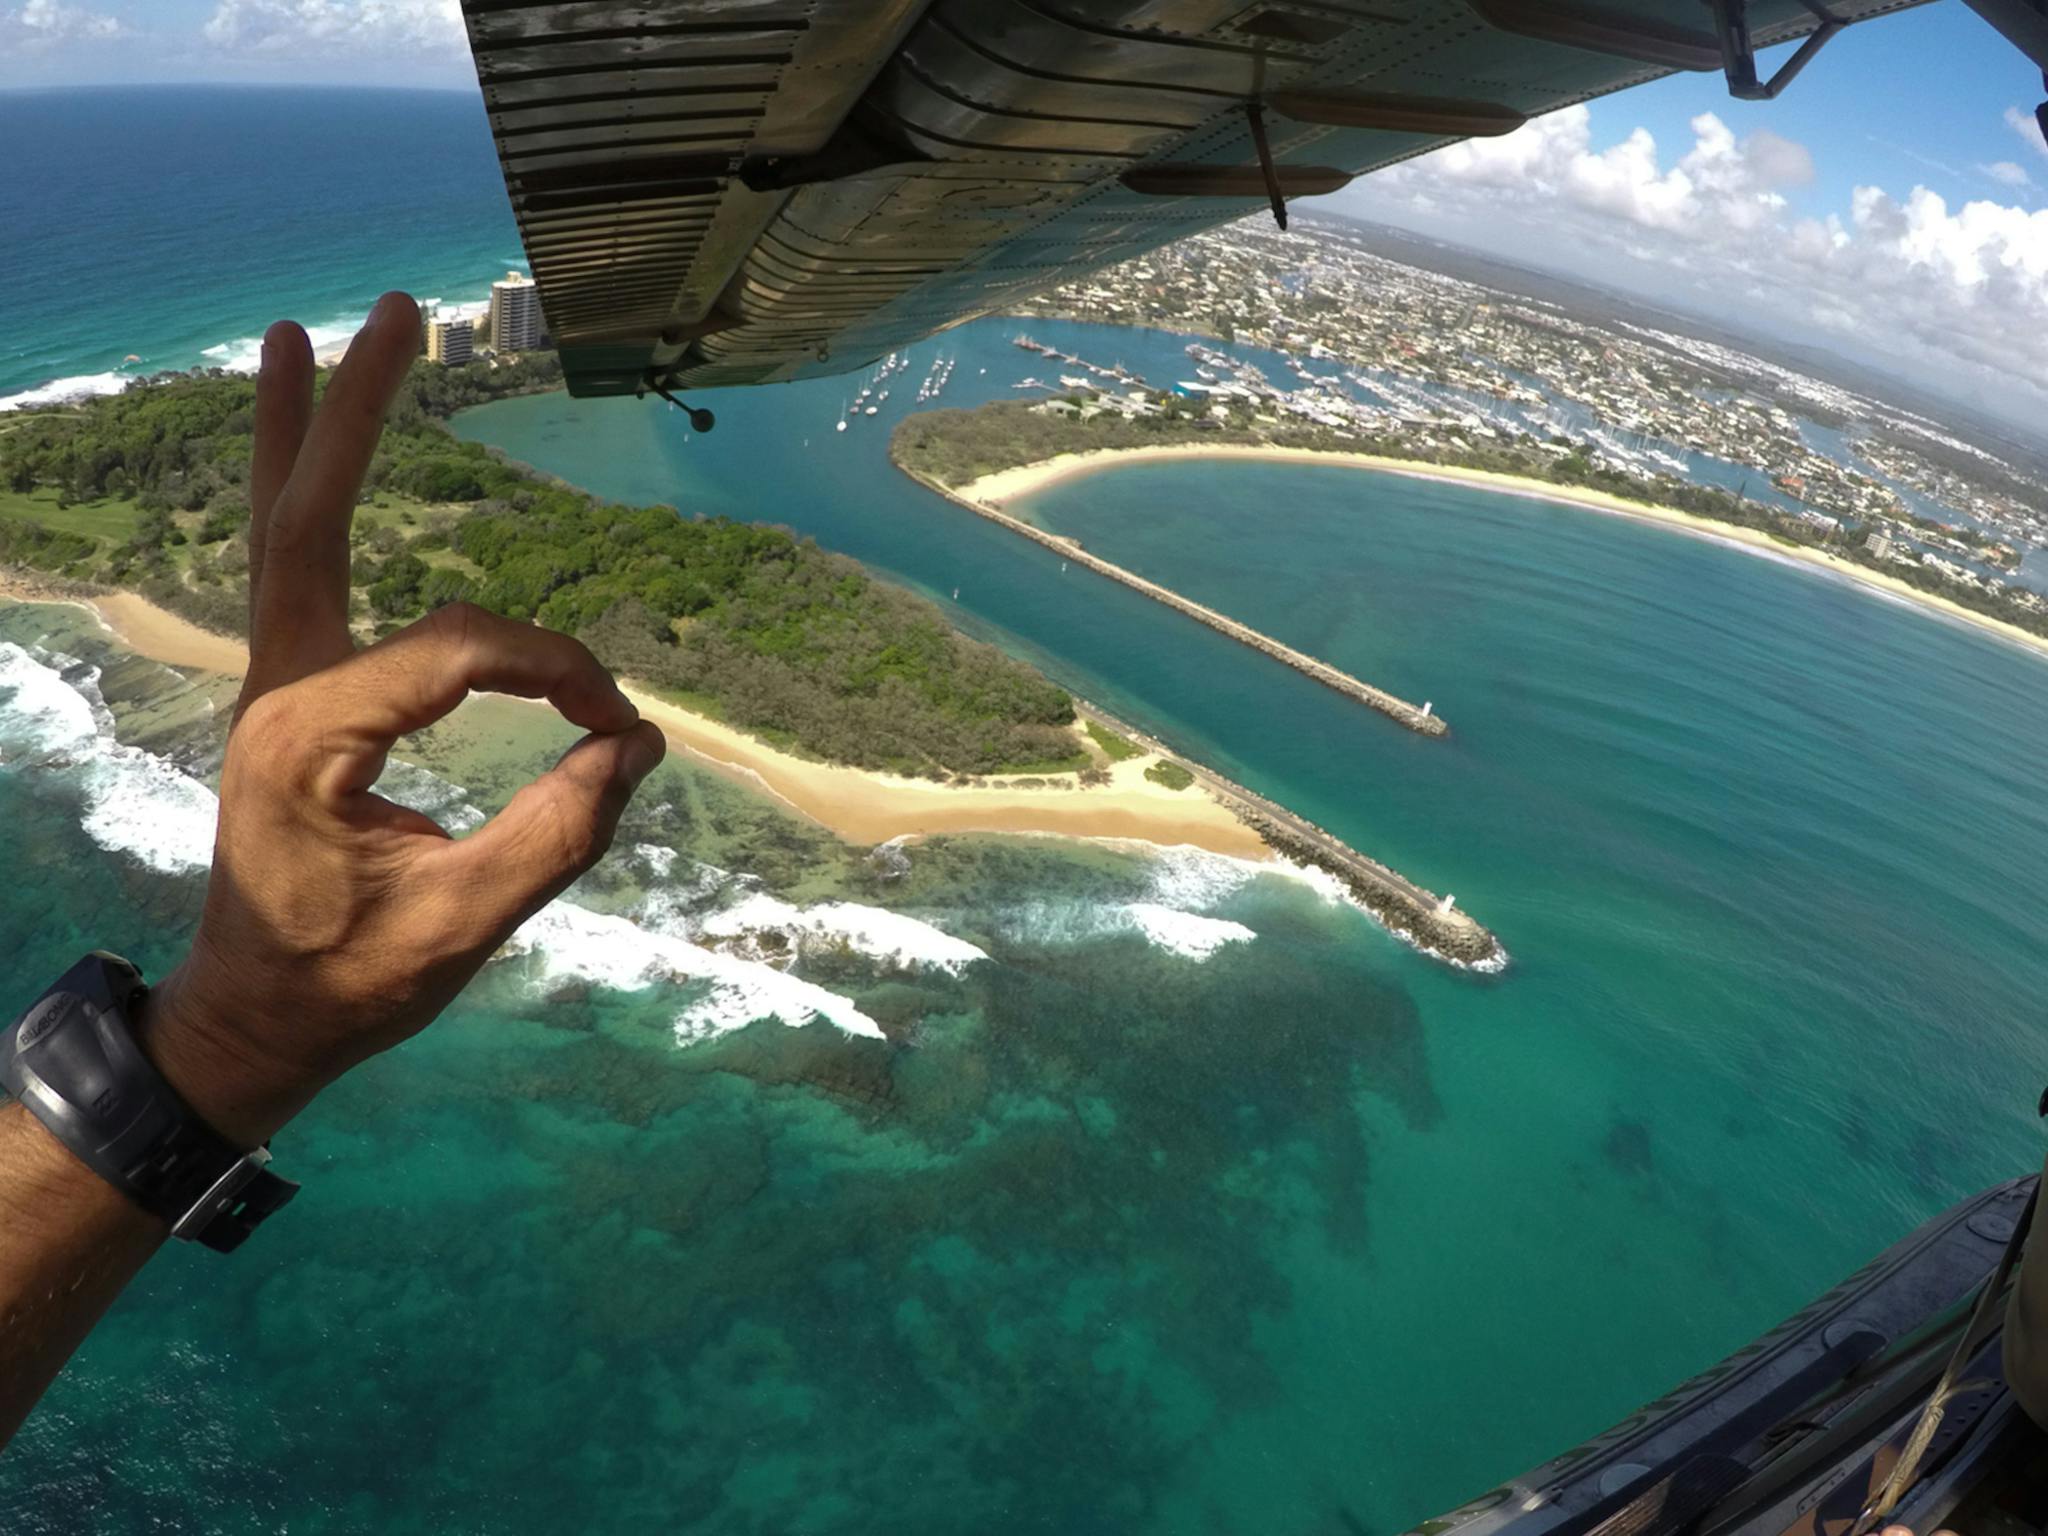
73, 1062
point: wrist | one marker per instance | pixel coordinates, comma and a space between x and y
45, 1182
244, 1094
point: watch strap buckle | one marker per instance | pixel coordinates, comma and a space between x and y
235, 1204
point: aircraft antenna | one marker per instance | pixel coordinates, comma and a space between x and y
1255, 115
701, 420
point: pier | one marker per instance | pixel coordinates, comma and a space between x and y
1429, 921
1420, 718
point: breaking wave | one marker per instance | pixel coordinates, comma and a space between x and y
568, 942
883, 935
418, 789
699, 927
1171, 913
241, 354
59, 391
133, 802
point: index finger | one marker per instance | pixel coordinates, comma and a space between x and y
301, 608
284, 409
411, 679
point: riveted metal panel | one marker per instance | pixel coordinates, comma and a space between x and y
738, 191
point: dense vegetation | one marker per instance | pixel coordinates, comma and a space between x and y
953, 447
148, 489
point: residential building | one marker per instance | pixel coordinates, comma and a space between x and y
450, 342
515, 324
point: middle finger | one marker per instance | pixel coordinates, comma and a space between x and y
301, 618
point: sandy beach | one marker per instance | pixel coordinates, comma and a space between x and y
857, 804
869, 807
1006, 486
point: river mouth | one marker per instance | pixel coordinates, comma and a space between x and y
1144, 1195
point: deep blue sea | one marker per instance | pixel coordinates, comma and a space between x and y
1196, 1203
174, 224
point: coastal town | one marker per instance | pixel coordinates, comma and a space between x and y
1366, 347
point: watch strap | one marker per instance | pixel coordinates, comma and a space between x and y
73, 1061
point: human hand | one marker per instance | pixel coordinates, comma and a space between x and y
336, 923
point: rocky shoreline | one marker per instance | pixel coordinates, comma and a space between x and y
1409, 911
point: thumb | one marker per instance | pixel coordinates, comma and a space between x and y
553, 829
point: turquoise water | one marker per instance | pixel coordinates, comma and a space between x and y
1766, 849
1096, 1233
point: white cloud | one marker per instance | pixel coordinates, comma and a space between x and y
1720, 181
2023, 124
1909, 281
46, 22
331, 27
2006, 173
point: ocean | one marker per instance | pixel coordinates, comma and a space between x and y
1103, 1190
173, 224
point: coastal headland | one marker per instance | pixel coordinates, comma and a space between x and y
860, 805
998, 489
863, 806
784, 667
984, 498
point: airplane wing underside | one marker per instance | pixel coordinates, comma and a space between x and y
718, 192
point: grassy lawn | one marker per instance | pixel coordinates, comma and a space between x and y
111, 519
1114, 747
1172, 775
449, 560
407, 512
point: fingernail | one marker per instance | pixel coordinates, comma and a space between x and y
644, 753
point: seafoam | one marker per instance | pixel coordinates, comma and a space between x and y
239, 355
711, 932
53, 720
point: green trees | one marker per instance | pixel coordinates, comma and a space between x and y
955, 446
226, 515
437, 589
766, 629
396, 591
25, 543
788, 640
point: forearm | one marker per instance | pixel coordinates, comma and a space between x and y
69, 1243
69, 1240
337, 923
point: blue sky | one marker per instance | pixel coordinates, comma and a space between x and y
1915, 97
1893, 204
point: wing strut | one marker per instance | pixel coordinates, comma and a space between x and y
1738, 58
